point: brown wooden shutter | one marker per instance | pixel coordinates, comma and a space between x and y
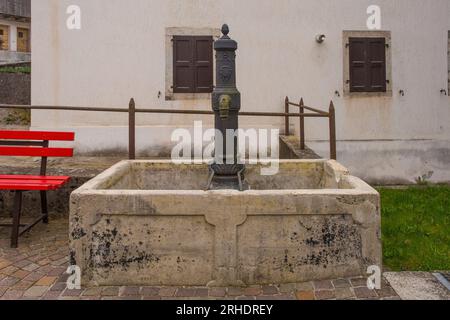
358, 72
376, 56
193, 64
183, 64
448, 64
203, 64
367, 64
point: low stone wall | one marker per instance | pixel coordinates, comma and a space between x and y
80, 169
15, 89
9, 57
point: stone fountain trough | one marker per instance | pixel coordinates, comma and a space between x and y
152, 223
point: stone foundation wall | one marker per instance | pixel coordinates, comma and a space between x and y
80, 169
15, 89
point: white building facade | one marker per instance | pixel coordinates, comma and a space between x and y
392, 128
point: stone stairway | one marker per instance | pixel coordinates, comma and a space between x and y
290, 149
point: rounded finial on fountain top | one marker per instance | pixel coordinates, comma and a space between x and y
225, 30
225, 43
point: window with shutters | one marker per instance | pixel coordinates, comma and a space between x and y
189, 63
367, 66
4, 37
192, 64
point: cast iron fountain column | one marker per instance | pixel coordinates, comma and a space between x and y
226, 104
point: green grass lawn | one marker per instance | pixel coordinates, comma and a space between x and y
416, 228
22, 69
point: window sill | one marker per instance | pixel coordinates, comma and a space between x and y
188, 96
367, 94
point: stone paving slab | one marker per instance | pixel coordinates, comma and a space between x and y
446, 275
36, 271
417, 286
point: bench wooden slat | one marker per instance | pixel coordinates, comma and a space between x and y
21, 182
32, 181
37, 135
42, 181
25, 177
36, 152
29, 186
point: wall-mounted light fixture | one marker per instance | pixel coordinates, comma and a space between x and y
320, 38
444, 92
402, 93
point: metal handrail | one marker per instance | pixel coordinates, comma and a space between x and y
331, 114
166, 111
132, 110
309, 108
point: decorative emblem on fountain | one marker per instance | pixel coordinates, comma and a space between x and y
226, 73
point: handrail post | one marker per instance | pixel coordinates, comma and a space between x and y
132, 130
302, 126
332, 116
286, 118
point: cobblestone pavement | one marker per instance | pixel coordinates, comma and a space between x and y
36, 270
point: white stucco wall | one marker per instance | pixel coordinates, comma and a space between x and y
120, 53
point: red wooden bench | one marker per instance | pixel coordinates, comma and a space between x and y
31, 144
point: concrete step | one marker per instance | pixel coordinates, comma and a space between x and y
290, 149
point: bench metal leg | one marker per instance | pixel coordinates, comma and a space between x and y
16, 219
44, 207
11, 213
